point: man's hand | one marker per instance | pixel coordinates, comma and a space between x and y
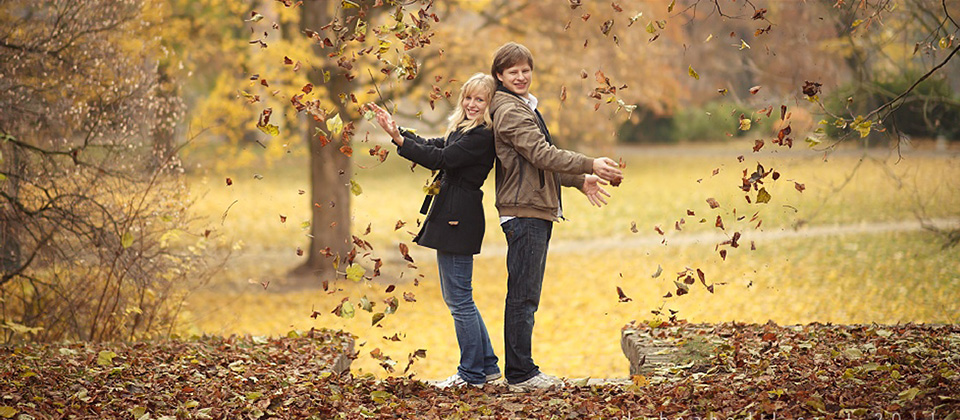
607, 169
593, 190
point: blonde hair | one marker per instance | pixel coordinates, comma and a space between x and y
476, 83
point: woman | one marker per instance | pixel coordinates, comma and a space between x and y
454, 225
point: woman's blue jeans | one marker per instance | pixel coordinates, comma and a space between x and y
477, 359
527, 243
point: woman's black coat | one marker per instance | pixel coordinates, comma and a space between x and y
455, 221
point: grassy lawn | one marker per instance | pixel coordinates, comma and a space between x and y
882, 277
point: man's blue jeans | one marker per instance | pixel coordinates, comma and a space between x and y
477, 359
527, 242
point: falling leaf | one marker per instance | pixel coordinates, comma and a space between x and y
713, 203
355, 188
616, 7
392, 305
563, 93
254, 17
800, 187
633, 227
719, 222
606, 27
634, 19
811, 89
693, 73
575, 4
754, 90
355, 272
346, 150
757, 145
722, 91
763, 196
270, 129
745, 123
400, 224
670, 7
283, 219
658, 272
229, 182
375, 319
335, 124
622, 296
583, 74
651, 28
409, 297
405, 251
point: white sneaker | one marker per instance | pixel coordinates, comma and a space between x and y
541, 381
455, 381
493, 376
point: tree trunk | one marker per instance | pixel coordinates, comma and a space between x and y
329, 169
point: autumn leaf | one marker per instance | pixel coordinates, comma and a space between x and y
355, 272
745, 123
657, 273
355, 188
763, 196
270, 129
754, 90
693, 73
409, 297
335, 124
405, 251
670, 7
811, 89
800, 187
606, 27
713, 203
622, 296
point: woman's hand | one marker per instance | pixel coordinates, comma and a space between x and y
387, 123
593, 190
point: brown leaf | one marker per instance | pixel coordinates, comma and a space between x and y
409, 297
757, 145
800, 187
811, 89
563, 93
283, 219
712, 202
616, 7
623, 297
405, 251
754, 90
633, 227
719, 222
606, 27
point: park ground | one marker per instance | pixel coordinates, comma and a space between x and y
847, 249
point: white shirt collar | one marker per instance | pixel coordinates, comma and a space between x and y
531, 101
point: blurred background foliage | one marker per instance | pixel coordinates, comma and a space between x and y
133, 171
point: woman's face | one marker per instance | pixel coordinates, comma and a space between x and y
474, 104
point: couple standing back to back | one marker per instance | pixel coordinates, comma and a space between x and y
496, 120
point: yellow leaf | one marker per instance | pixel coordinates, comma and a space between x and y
709, 37
105, 358
670, 7
384, 46
763, 196
355, 272
693, 73
335, 124
355, 188
745, 124
7, 412
650, 28
269, 129
744, 45
127, 240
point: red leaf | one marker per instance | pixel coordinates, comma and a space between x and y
754, 90
307, 88
283, 219
719, 222
287, 60
346, 150
229, 182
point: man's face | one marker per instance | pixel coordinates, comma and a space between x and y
517, 79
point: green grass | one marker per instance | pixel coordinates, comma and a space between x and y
885, 277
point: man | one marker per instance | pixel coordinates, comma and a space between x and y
529, 173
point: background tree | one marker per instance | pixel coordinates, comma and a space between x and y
94, 232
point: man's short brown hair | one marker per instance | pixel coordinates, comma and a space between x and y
509, 55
